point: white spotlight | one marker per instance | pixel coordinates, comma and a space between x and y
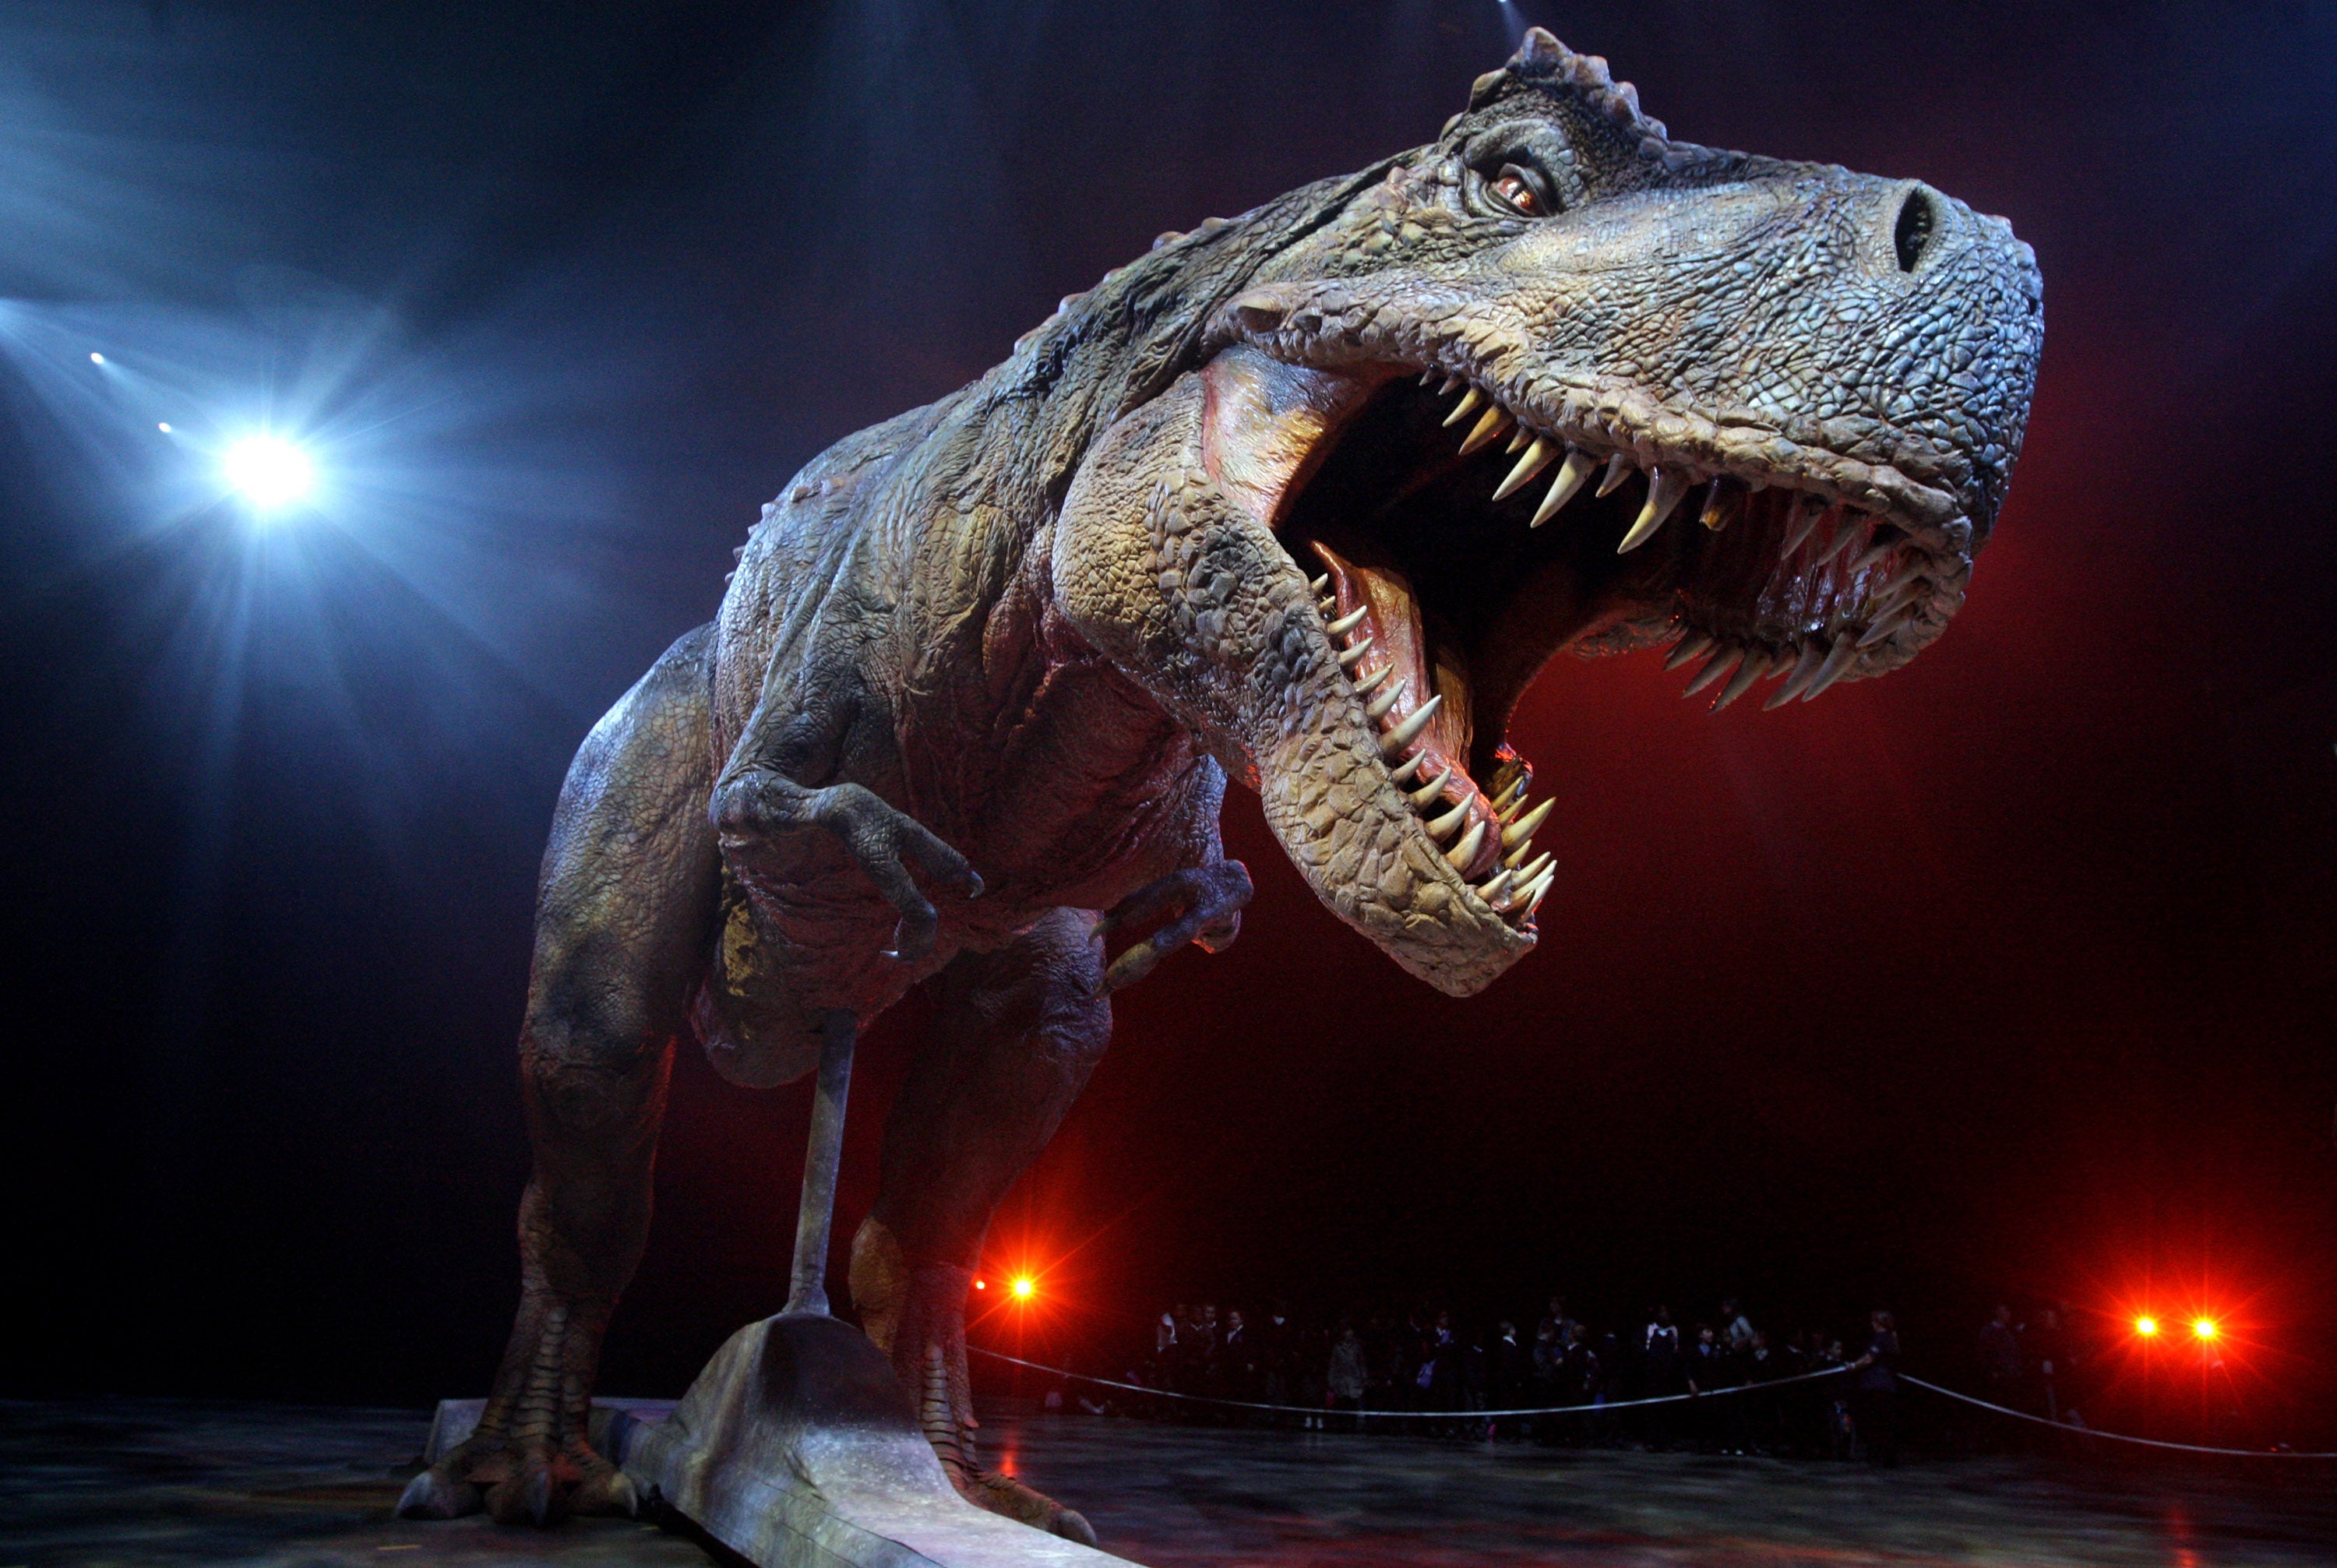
269, 471
97, 358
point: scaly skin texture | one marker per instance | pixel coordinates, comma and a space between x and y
967, 717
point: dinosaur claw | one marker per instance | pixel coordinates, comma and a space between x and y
434, 1495
611, 1491
536, 1491
1072, 1525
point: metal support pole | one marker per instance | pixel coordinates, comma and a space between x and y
807, 1289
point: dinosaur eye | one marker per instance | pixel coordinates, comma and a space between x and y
1520, 191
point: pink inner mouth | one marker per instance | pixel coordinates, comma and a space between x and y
1394, 651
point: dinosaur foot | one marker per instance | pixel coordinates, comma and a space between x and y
519, 1483
915, 1314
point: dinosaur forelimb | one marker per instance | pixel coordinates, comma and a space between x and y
887, 844
1204, 904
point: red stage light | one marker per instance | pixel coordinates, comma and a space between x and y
2145, 1327
982, 1285
2205, 1327
1023, 1288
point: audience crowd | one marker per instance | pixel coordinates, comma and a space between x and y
1451, 1378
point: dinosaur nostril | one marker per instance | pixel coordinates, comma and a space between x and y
1913, 230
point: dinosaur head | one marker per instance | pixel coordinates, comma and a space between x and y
1555, 381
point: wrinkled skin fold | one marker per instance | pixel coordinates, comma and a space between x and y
1303, 500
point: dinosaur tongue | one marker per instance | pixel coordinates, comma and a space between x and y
1396, 651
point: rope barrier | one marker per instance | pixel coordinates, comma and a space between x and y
1404, 1415
1635, 1404
2113, 1436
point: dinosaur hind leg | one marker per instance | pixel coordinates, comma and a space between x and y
624, 919
1015, 1034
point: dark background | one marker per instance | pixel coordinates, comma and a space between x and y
2009, 976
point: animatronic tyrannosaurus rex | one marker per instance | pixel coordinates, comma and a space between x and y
1033, 628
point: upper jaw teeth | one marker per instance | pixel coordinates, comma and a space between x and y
1900, 577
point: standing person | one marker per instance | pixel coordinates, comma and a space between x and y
1476, 1375
1999, 1357
1660, 1369
1345, 1378
1875, 1375
1276, 1336
1736, 1329
1439, 1377
1509, 1381
1704, 1371
1761, 1422
2047, 1352
1236, 1359
1548, 1364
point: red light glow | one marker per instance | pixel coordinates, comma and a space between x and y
2205, 1327
1023, 1288
981, 1284
2145, 1327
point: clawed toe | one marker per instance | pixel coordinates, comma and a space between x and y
609, 1492
437, 1494
1004, 1494
1072, 1525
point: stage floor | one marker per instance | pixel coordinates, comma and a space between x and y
118, 1483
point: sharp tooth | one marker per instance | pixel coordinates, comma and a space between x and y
1411, 769
1912, 571
1518, 438
1719, 664
1355, 654
1882, 630
1461, 854
1444, 826
1527, 870
1886, 540
1694, 644
1506, 800
1347, 622
1519, 831
1755, 665
1664, 491
1619, 468
1904, 584
1536, 459
1466, 406
1450, 383
1847, 534
1426, 376
1386, 699
1495, 420
1836, 666
1570, 475
1534, 896
1495, 888
1717, 506
1369, 683
1320, 584
1805, 670
1405, 733
1805, 517
1420, 798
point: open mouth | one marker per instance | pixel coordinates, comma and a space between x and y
1455, 546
